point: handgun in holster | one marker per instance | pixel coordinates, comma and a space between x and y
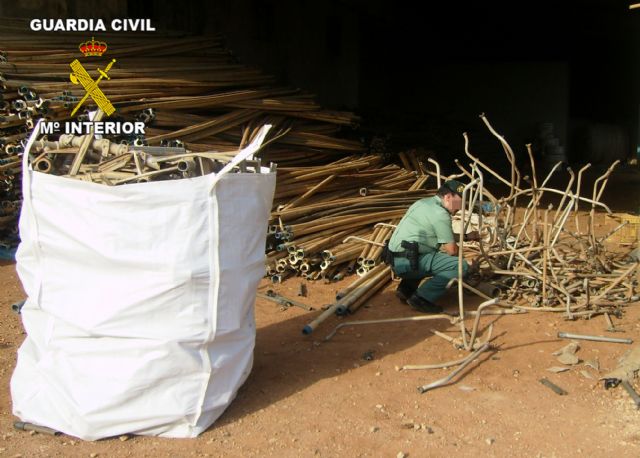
411, 253
387, 254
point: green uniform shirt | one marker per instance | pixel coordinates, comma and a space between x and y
426, 222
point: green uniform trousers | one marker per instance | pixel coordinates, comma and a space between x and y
441, 266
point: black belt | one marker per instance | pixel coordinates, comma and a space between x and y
410, 252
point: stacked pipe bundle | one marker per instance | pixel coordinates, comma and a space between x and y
189, 91
332, 220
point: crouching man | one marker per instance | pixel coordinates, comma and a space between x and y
423, 244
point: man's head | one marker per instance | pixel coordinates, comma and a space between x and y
451, 194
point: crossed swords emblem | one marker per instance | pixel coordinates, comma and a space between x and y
80, 76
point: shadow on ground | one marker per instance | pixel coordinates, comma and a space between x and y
287, 362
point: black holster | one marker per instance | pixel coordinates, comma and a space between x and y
387, 254
411, 253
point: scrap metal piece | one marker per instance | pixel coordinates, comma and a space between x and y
567, 354
626, 370
368, 355
278, 299
593, 363
557, 370
634, 396
25, 426
566, 335
556, 389
17, 306
441, 316
447, 379
610, 325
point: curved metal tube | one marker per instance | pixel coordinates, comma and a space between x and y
566, 192
447, 379
578, 185
43, 165
476, 322
451, 320
360, 239
437, 165
460, 259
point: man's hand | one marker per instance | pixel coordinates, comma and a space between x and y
450, 248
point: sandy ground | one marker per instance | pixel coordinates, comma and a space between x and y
306, 397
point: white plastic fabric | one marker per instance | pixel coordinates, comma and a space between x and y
140, 309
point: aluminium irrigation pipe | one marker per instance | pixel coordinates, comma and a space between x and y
347, 300
613, 231
615, 283
365, 297
466, 173
365, 249
343, 222
475, 192
376, 251
309, 193
353, 237
476, 322
456, 341
347, 290
373, 283
467, 286
460, 259
567, 335
495, 202
314, 243
566, 192
563, 221
447, 379
437, 165
532, 207
597, 193
545, 253
489, 169
579, 184
409, 367
449, 318
515, 173
534, 177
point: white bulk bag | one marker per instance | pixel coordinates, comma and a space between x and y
140, 309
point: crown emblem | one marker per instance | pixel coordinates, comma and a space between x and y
93, 48
460, 189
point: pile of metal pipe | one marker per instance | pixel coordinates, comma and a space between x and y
541, 257
532, 257
326, 224
190, 92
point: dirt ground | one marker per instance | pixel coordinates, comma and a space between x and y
307, 397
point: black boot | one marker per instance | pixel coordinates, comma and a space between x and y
423, 305
406, 288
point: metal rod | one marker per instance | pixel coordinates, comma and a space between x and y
447, 379
555, 388
634, 396
449, 318
566, 335
25, 426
